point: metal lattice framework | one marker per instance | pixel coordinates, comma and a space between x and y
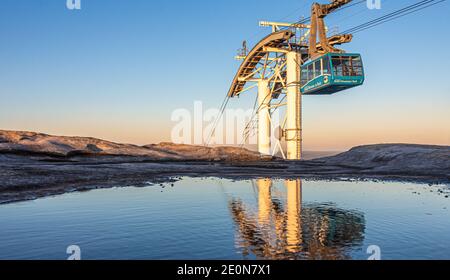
266, 67
259, 62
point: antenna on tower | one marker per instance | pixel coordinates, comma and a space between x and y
242, 52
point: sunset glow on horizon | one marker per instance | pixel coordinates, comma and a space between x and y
117, 71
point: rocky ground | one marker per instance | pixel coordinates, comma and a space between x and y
34, 165
31, 143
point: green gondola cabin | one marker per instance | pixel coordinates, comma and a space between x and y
331, 73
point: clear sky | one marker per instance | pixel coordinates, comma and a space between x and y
116, 69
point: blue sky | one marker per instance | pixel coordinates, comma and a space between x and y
117, 69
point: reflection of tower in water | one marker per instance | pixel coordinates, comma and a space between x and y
293, 210
287, 229
264, 200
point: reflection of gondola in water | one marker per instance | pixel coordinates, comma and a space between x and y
291, 230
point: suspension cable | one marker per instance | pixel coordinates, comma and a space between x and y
393, 15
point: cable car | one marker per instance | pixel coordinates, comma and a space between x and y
331, 73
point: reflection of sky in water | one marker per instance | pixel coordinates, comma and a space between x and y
221, 219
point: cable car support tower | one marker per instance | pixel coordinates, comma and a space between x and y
274, 67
